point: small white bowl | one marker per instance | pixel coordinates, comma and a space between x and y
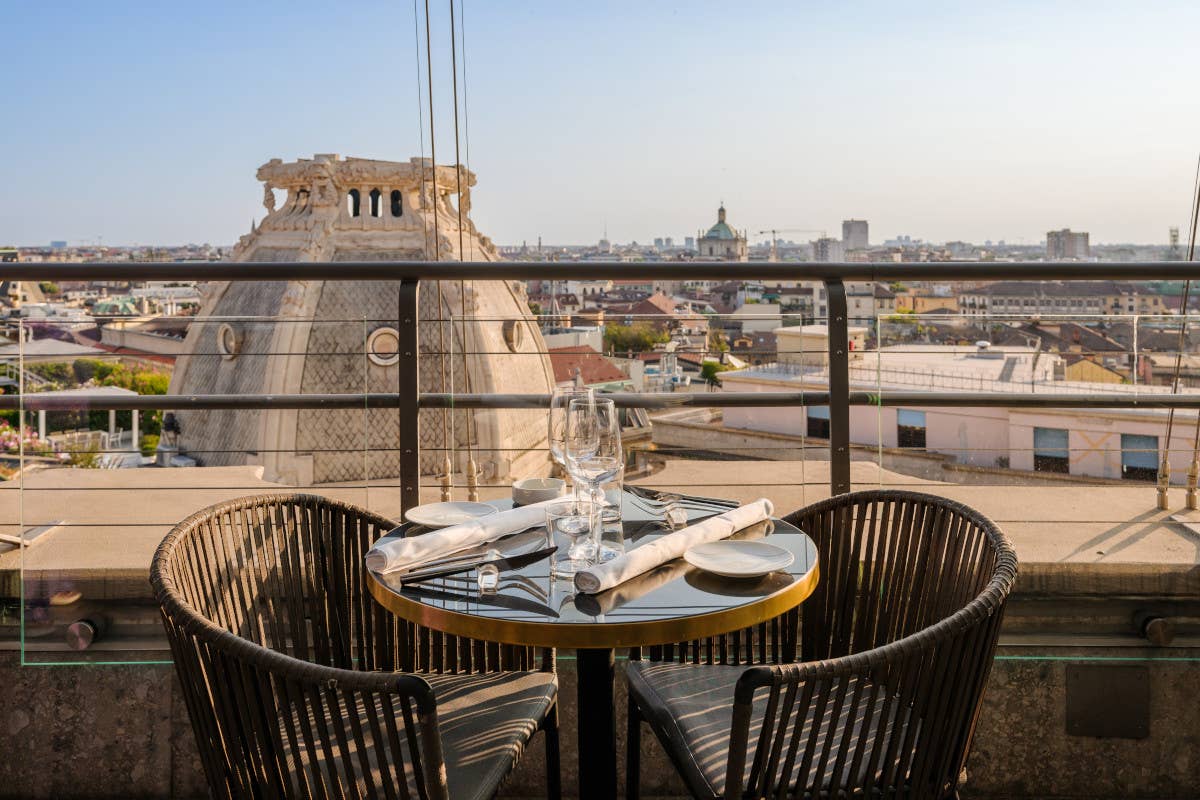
534, 490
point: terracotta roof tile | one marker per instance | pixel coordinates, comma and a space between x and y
593, 367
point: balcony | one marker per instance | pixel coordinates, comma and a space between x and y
1092, 692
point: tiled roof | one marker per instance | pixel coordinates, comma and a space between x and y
593, 367
655, 304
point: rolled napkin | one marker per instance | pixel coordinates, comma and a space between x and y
651, 580
638, 586
396, 553
671, 546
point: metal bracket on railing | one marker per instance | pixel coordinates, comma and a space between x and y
1192, 478
410, 396
472, 480
1164, 483
446, 479
839, 388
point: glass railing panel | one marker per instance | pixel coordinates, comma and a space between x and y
94, 506
701, 349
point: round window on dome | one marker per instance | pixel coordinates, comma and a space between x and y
514, 334
229, 341
383, 347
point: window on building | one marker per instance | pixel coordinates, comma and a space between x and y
818, 421
353, 200
376, 203
1139, 457
397, 206
1050, 450
910, 429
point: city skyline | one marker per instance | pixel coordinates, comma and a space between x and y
938, 123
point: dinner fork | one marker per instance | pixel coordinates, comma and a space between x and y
672, 508
654, 499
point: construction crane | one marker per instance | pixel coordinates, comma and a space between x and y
775, 237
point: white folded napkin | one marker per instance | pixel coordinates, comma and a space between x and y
666, 548
389, 555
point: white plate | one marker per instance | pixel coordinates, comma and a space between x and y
443, 515
737, 558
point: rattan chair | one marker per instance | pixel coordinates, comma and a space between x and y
299, 685
889, 661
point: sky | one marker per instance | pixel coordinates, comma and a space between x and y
143, 123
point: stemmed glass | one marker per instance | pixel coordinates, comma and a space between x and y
592, 446
560, 401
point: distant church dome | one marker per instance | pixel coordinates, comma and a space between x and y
341, 336
722, 242
721, 230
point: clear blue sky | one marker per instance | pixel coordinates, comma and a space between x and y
145, 122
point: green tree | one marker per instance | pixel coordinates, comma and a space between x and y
710, 369
87, 369
638, 338
57, 371
143, 382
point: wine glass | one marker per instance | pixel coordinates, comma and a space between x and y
560, 400
592, 446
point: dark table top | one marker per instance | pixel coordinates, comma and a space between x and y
672, 603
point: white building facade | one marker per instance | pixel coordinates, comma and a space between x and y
1114, 444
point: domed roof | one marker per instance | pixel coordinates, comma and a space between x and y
721, 230
262, 349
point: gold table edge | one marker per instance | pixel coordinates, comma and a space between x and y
604, 635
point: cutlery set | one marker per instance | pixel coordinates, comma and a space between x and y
653, 501
454, 566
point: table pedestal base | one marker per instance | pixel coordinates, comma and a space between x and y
597, 724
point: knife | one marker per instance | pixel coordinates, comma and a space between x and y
498, 600
502, 564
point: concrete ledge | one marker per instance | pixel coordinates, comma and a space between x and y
123, 732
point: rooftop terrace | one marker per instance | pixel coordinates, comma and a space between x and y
1091, 693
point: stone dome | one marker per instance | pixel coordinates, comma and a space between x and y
339, 337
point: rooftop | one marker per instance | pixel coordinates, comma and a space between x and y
593, 367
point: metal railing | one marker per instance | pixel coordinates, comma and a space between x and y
408, 400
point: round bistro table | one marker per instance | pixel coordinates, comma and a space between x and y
670, 604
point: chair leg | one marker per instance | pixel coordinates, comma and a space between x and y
633, 751
553, 768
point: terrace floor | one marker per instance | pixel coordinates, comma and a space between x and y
1089, 555
112, 520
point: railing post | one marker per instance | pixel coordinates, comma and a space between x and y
839, 388
410, 396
